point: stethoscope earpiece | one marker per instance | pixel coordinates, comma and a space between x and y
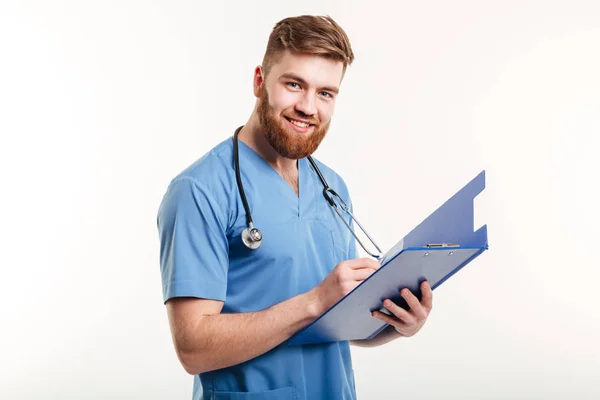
252, 238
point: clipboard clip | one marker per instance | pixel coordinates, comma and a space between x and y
441, 245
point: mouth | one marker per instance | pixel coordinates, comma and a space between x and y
299, 126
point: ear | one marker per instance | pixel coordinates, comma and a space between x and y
258, 80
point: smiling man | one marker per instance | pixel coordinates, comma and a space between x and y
234, 294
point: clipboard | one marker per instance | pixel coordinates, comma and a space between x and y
436, 249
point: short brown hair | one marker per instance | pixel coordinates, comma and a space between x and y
308, 34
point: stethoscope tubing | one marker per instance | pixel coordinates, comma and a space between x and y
252, 237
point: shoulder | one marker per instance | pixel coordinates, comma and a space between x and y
203, 187
212, 172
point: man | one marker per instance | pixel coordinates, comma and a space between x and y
231, 308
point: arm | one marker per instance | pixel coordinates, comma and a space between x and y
206, 340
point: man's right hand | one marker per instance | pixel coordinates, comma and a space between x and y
342, 280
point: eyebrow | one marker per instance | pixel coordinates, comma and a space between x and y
295, 77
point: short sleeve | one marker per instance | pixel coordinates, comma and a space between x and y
193, 243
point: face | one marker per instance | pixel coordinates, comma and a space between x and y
296, 102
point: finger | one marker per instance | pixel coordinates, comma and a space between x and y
415, 306
361, 274
427, 296
389, 320
399, 312
360, 263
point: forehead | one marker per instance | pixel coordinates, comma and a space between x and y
317, 71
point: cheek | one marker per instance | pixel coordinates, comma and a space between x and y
325, 113
282, 100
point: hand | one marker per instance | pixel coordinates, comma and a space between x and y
342, 280
407, 323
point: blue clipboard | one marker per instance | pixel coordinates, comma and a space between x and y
434, 251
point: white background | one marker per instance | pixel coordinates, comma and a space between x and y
102, 103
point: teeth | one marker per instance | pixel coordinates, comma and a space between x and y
300, 124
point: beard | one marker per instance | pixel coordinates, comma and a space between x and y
282, 138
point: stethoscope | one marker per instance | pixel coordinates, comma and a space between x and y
252, 237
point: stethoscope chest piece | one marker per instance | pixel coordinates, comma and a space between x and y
252, 238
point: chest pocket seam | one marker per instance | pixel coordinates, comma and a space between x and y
339, 252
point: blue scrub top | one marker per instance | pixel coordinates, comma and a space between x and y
200, 221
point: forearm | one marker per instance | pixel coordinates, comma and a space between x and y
385, 336
223, 340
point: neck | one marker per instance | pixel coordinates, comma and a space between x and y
253, 135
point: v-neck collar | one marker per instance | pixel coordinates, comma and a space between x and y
305, 194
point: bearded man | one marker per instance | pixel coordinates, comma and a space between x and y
234, 294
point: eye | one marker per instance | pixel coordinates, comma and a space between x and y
327, 95
293, 85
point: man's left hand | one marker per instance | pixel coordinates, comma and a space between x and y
407, 323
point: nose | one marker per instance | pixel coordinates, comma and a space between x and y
307, 105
